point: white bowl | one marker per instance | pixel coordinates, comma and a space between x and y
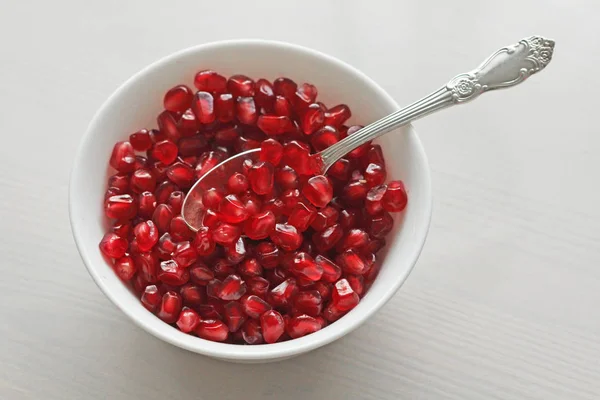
137, 102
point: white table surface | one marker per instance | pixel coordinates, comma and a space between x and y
503, 303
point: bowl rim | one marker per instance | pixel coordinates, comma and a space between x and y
274, 351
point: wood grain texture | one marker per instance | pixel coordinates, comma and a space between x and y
503, 302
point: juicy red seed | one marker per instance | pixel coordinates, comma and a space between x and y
211, 329
166, 246
237, 183
240, 85
360, 151
318, 190
355, 192
375, 245
165, 152
246, 110
140, 140
312, 119
271, 151
267, 254
234, 316
162, 216
151, 298
188, 320
147, 265
340, 169
113, 246
380, 225
142, 180
179, 229
375, 174
122, 228
192, 295
254, 306
357, 283
337, 115
210, 81
208, 161
309, 91
203, 242
251, 332
274, 125
236, 252
331, 271
123, 157
302, 325
286, 178
232, 288
352, 263
164, 190
120, 206
261, 177
187, 125
260, 226
159, 170
290, 199
282, 294
272, 326
258, 286
343, 297
264, 94
203, 107
328, 238
301, 102
287, 237
185, 254
146, 204
228, 135
120, 182
200, 274
355, 239
282, 107
167, 124
325, 218
232, 210
302, 216
146, 235
252, 202
225, 107
210, 310
285, 87
181, 174
332, 313
250, 267
170, 307
308, 302
373, 199
210, 219
297, 155
226, 233
172, 273
223, 268
212, 197
349, 218
178, 98
175, 201
324, 137
304, 266
395, 198
192, 146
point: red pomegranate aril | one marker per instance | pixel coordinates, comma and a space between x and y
312, 119
224, 107
249, 268
309, 91
260, 226
271, 151
175, 201
251, 332
170, 307
375, 174
286, 178
337, 115
240, 85
324, 137
157, 136
272, 326
302, 325
212, 197
172, 273
304, 266
159, 170
232, 288
318, 190
301, 102
286, 237
203, 106
264, 95
285, 87
113, 246
246, 110
213, 330
267, 255
375, 245
226, 233
343, 297
331, 271
349, 218
210, 219
332, 313
164, 190
357, 283
185, 254
203, 242
355, 239
234, 316
254, 306
167, 124
354, 193
395, 198
140, 140
200, 274
328, 238
188, 125
151, 298
142, 162
308, 302
192, 295
188, 320
325, 218
282, 294
146, 204
192, 146
275, 125
142, 180
340, 169
123, 157
120, 182
208, 161
302, 216
261, 177
380, 225
147, 266
374, 155
352, 263
282, 107
146, 235
180, 230
232, 210
236, 252
258, 286
122, 228
297, 155
166, 246
165, 152
237, 183
373, 205
162, 216
210, 81
178, 99
181, 174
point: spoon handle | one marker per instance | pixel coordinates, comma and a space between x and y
505, 68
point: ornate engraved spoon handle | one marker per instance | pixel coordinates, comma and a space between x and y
505, 68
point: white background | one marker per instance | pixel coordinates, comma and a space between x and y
503, 303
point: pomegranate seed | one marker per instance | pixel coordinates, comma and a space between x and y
271, 151
356, 283
343, 297
113, 246
302, 216
282, 294
304, 266
223, 268
140, 140
142, 180
172, 273
240, 85
212, 197
246, 110
328, 238
236, 252
260, 226
318, 190
254, 306
331, 272
151, 298
203, 242
302, 325
175, 201
340, 169
332, 313
380, 225
250, 267
164, 190
232, 288
290, 199
125, 268
355, 192
166, 246
261, 177
286, 178
167, 124
165, 152
285, 87
375, 245
287, 237
252, 203
395, 198
203, 106
200, 274
352, 263
264, 94
232, 210
120, 182
188, 124
226, 233
237, 183
210, 219
309, 91
180, 230
170, 307
146, 235
211, 329
210, 81
178, 99
308, 302
337, 115
258, 286
122, 228
188, 320
272, 326
375, 174
274, 125
208, 161
224, 107
324, 137
147, 266
312, 119
373, 199
181, 174
325, 218
282, 107
185, 254
267, 255
192, 295
192, 146
355, 239
162, 216
252, 332
297, 155
123, 157
228, 135
349, 218
159, 170
146, 204
234, 316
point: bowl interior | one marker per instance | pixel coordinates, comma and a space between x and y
135, 105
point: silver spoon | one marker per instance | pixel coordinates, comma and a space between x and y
505, 68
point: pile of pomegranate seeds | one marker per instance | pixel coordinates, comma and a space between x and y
283, 251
